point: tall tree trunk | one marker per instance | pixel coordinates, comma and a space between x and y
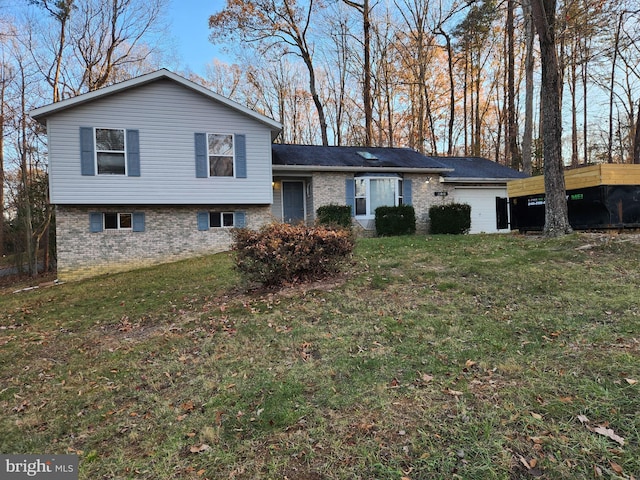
368, 103
452, 95
32, 260
636, 140
322, 119
616, 46
3, 85
465, 104
364, 10
573, 84
556, 212
527, 136
585, 115
478, 123
513, 155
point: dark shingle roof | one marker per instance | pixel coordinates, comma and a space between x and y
357, 157
463, 168
478, 167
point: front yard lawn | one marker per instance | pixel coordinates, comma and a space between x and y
439, 357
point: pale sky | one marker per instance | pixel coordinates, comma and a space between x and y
189, 20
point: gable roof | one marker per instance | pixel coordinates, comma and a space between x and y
478, 169
41, 114
321, 158
383, 159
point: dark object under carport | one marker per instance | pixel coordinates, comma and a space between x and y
598, 197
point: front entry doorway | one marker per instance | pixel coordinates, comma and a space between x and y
293, 201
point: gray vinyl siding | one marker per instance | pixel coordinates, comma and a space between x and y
166, 115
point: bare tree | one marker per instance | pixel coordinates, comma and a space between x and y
5, 78
636, 140
60, 10
527, 134
284, 23
365, 10
513, 153
109, 37
556, 212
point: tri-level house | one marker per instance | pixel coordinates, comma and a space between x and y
153, 169
159, 168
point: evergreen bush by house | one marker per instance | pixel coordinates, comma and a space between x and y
391, 221
334, 215
280, 253
453, 218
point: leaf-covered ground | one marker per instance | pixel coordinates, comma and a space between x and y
471, 357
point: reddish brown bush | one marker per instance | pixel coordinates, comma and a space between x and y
280, 253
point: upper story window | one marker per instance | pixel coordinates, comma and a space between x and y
110, 151
220, 154
372, 192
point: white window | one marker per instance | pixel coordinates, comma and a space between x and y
110, 151
118, 221
221, 219
220, 154
372, 192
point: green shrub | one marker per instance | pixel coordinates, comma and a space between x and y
334, 215
281, 253
453, 218
400, 220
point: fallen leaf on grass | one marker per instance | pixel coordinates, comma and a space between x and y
537, 416
615, 467
455, 393
524, 462
199, 448
583, 419
631, 381
608, 432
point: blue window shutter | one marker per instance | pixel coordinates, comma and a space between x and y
240, 145
138, 221
350, 188
203, 221
406, 191
87, 158
95, 222
239, 219
133, 153
202, 170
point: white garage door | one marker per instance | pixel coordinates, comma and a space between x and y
483, 207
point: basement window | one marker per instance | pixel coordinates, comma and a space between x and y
118, 221
221, 219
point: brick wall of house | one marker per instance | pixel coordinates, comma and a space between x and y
171, 233
330, 188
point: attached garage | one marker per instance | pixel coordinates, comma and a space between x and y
482, 184
484, 218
